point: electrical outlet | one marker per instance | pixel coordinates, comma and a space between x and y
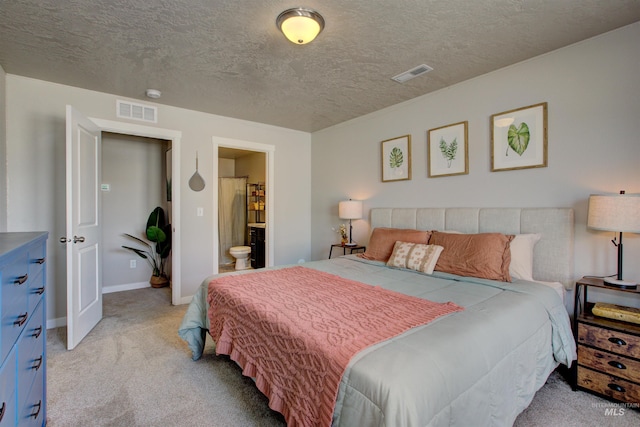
132, 263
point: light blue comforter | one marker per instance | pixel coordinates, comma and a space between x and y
481, 366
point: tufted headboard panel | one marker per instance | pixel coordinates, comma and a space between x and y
553, 255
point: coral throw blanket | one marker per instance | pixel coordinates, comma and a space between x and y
295, 329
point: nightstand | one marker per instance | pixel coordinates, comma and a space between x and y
608, 350
352, 248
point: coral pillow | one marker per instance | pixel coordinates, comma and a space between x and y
415, 256
383, 239
484, 255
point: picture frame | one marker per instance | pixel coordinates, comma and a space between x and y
448, 150
396, 159
519, 138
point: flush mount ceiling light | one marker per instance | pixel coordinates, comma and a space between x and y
300, 25
153, 93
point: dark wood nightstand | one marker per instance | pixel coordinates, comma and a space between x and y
608, 350
352, 248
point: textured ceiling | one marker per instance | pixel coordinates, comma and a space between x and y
227, 57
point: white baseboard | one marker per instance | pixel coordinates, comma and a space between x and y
125, 287
56, 323
185, 300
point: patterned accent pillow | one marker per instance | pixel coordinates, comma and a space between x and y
415, 256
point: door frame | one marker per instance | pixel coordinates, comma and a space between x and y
269, 151
175, 137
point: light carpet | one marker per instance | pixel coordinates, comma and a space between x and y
134, 370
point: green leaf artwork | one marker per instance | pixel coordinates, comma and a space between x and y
396, 158
449, 150
518, 138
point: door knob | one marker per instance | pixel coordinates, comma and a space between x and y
77, 239
64, 240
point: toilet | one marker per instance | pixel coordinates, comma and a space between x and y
240, 253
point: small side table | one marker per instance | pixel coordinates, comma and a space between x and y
352, 248
608, 350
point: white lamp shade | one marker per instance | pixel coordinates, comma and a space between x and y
350, 209
620, 213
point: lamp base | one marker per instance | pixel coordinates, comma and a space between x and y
620, 284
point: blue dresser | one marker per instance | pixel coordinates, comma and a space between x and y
23, 357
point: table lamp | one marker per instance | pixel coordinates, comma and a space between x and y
350, 209
619, 213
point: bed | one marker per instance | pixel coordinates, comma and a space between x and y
478, 364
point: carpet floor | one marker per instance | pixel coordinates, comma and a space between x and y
134, 370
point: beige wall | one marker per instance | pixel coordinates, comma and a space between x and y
36, 195
593, 93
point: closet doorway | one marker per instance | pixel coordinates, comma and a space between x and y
134, 182
243, 203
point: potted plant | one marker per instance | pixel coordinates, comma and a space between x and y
157, 250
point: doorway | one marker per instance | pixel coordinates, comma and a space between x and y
174, 137
134, 183
252, 162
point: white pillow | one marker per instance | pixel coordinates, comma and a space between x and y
521, 266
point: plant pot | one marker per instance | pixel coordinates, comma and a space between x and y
159, 281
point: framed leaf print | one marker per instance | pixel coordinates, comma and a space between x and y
448, 150
396, 159
519, 138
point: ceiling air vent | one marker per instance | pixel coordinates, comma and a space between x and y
134, 111
414, 72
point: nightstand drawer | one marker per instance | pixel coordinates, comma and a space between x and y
612, 341
608, 385
609, 363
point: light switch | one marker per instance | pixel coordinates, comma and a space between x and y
200, 212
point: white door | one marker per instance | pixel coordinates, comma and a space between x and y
83, 239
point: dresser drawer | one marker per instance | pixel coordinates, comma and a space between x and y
608, 385
37, 258
36, 290
609, 363
32, 412
13, 301
31, 357
609, 340
7, 391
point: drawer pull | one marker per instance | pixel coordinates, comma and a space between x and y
35, 414
36, 332
616, 387
22, 279
40, 291
617, 365
4, 405
40, 261
39, 363
21, 319
617, 341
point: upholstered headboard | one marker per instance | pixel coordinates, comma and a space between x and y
553, 255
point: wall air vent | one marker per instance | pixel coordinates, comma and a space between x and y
134, 111
414, 72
